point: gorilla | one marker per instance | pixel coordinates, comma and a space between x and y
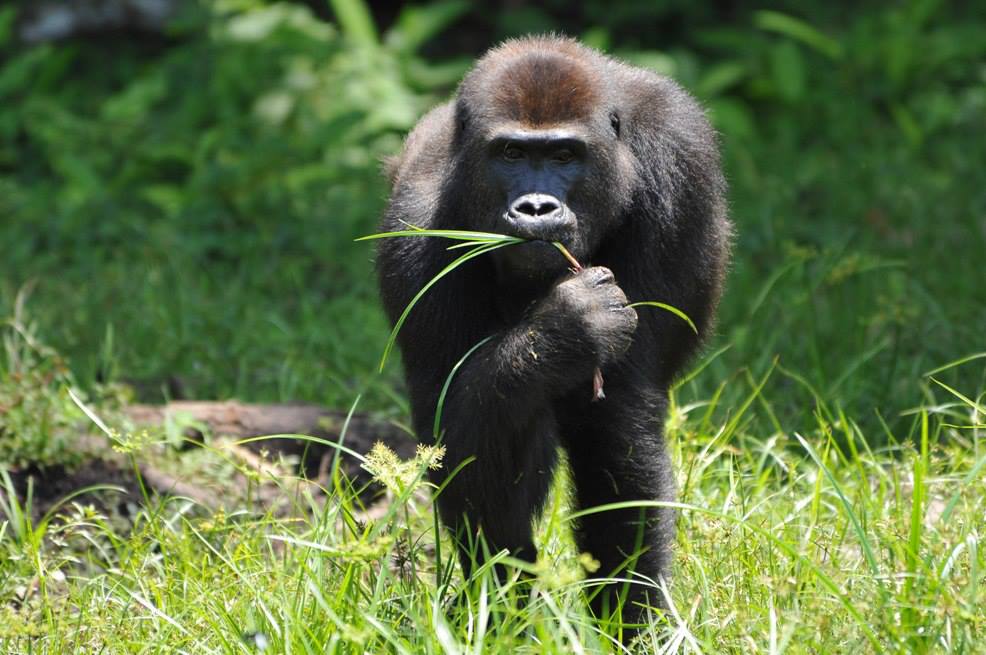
552, 141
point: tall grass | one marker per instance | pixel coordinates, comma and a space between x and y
804, 538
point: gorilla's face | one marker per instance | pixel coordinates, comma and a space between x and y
556, 184
541, 146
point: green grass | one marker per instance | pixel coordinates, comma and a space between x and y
801, 538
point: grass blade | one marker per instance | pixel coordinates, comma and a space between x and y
460, 235
481, 249
864, 542
674, 310
448, 383
571, 258
957, 362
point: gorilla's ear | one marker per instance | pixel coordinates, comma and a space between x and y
462, 120
614, 122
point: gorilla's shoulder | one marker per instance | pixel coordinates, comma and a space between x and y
426, 149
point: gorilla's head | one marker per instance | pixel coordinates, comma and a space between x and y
538, 146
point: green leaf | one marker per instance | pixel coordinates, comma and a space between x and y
416, 25
788, 69
659, 62
721, 77
436, 75
7, 17
794, 28
732, 117
674, 310
907, 124
355, 21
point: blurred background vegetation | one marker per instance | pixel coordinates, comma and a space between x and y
181, 183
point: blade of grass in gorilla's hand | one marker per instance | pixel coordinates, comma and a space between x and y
480, 244
597, 375
481, 248
569, 256
642, 303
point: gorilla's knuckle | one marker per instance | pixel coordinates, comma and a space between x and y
599, 275
570, 295
618, 296
631, 315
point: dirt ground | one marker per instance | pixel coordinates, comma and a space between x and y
264, 473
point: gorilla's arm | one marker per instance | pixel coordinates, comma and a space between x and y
673, 247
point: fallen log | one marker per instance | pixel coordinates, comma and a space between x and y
261, 478
238, 420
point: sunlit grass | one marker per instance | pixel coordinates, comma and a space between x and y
791, 539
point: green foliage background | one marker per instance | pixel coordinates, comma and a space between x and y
183, 206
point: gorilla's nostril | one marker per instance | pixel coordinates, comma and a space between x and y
535, 204
527, 208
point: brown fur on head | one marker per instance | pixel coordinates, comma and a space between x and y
536, 82
542, 89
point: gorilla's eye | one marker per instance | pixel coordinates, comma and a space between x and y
614, 121
512, 152
563, 156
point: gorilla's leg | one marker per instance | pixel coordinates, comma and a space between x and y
617, 454
491, 502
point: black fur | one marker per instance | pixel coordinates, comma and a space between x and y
650, 208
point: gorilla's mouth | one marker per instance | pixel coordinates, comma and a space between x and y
542, 221
559, 225
535, 260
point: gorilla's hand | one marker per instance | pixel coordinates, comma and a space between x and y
588, 316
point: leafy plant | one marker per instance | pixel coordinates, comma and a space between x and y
38, 421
